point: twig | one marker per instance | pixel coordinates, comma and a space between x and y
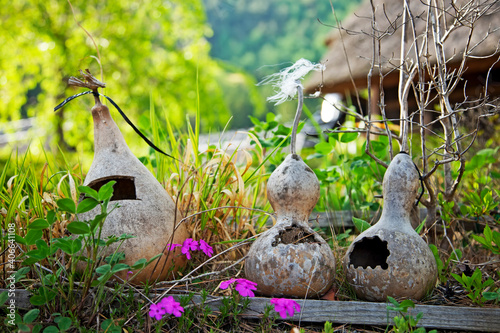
298, 113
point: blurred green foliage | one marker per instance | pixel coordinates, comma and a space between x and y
152, 48
256, 34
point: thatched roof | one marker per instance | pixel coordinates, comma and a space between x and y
355, 38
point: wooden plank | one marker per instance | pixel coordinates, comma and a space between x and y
359, 313
368, 313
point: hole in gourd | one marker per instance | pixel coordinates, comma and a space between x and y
371, 252
293, 235
124, 189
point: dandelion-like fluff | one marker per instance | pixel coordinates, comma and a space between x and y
286, 84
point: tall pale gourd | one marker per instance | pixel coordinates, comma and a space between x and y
145, 211
390, 258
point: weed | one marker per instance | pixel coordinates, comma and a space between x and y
475, 286
405, 322
444, 269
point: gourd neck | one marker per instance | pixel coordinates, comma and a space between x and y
107, 135
395, 217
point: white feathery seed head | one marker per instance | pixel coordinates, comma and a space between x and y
286, 81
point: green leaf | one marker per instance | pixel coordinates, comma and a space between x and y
51, 217
119, 267
4, 296
407, 304
114, 258
109, 326
49, 279
78, 228
37, 300
64, 323
103, 269
378, 146
332, 138
51, 329
481, 240
30, 316
42, 247
126, 236
360, 224
491, 296
464, 210
254, 120
90, 192
66, 205
282, 130
76, 246
97, 221
106, 191
323, 148
141, 263
63, 244
458, 278
86, 205
21, 274
477, 275
35, 254
488, 235
32, 236
456, 255
20, 239
23, 327
392, 300
420, 226
38, 224
348, 137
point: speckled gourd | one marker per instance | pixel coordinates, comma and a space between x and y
146, 209
290, 259
390, 258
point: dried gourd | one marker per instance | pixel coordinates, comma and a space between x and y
145, 211
290, 259
390, 258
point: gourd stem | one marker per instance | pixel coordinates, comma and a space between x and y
298, 113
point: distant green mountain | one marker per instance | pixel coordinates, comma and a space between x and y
257, 33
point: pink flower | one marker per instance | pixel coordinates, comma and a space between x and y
156, 311
189, 245
171, 306
243, 286
226, 284
207, 249
285, 306
171, 247
166, 305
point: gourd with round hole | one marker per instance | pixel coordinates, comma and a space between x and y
390, 258
290, 259
145, 210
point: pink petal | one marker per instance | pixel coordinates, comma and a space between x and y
285, 307
226, 284
244, 291
207, 249
171, 247
155, 311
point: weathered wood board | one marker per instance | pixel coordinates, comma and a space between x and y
359, 313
